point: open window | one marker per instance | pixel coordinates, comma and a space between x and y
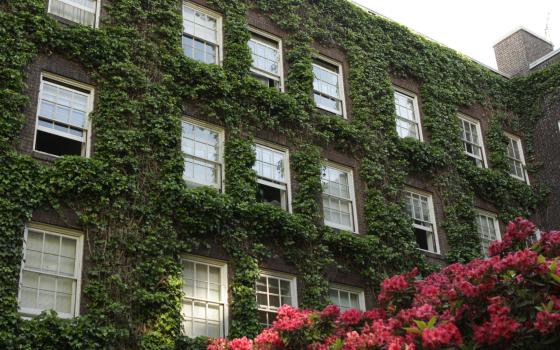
273, 179
420, 208
63, 117
471, 136
328, 88
266, 53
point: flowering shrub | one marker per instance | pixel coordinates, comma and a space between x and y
508, 301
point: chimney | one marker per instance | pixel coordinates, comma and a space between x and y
518, 50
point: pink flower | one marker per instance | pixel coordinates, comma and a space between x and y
218, 344
498, 328
547, 322
291, 319
268, 339
350, 317
330, 312
444, 335
241, 344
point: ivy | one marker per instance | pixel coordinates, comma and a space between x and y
138, 215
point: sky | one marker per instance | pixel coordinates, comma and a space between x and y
472, 26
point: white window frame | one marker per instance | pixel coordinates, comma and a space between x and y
280, 276
521, 154
96, 14
332, 62
221, 139
222, 265
350, 289
61, 232
352, 190
493, 216
414, 98
256, 71
433, 221
86, 148
480, 138
219, 28
287, 175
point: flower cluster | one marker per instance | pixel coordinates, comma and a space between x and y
509, 300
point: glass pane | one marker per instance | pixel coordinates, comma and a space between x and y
68, 247
34, 240
52, 244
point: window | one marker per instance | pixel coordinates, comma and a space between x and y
273, 291
346, 297
63, 117
273, 176
202, 34
471, 135
488, 229
204, 304
339, 203
328, 89
421, 209
516, 158
202, 149
51, 271
266, 52
408, 115
80, 11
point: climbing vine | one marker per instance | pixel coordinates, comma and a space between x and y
137, 213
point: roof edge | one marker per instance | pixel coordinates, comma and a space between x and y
526, 30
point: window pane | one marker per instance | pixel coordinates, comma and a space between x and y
82, 11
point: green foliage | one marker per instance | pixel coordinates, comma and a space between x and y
138, 214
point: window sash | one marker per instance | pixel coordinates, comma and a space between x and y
516, 159
330, 90
58, 102
279, 168
405, 132
335, 294
190, 320
487, 227
208, 56
267, 311
407, 115
201, 27
254, 42
56, 277
472, 140
197, 289
199, 149
330, 212
337, 195
85, 15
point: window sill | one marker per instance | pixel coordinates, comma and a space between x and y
44, 156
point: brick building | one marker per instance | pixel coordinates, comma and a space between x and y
62, 93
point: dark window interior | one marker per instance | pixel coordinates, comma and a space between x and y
57, 145
267, 194
421, 238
